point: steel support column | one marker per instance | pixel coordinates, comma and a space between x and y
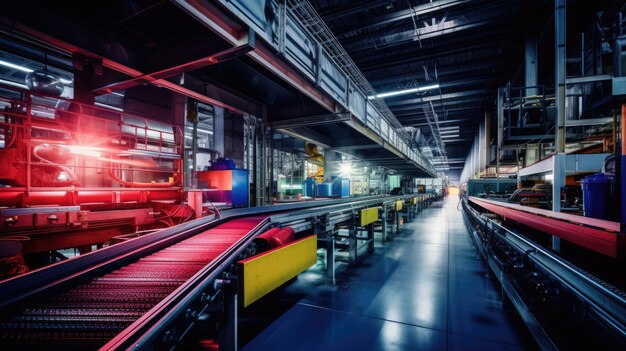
531, 66
560, 69
500, 135
384, 223
330, 257
558, 180
623, 171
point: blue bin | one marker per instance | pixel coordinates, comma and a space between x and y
324, 190
308, 187
341, 187
596, 195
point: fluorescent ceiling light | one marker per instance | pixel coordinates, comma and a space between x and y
405, 91
451, 131
450, 136
14, 66
200, 130
28, 70
108, 106
447, 128
14, 84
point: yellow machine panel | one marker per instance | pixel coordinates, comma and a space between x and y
369, 215
399, 205
265, 272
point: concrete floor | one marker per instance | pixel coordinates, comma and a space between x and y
425, 290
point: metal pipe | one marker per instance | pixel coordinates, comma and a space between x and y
560, 24
623, 170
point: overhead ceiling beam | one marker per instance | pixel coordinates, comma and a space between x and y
409, 35
435, 98
474, 67
440, 122
449, 112
448, 84
415, 11
352, 9
222, 56
398, 57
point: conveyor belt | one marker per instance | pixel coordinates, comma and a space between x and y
594, 234
88, 315
564, 306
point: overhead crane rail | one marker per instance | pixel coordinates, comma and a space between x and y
149, 292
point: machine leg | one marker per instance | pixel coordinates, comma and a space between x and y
384, 223
228, 331
397, 222
556, 243
370, 238
352, 246
394, 223
330, 258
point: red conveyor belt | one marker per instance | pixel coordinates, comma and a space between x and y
89, 315
590, 233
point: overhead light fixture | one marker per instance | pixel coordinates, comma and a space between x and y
450, 136
451, 131
14, 84
200, 130
29, 70
14, 66
405, 91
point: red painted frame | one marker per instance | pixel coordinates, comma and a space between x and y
599, 240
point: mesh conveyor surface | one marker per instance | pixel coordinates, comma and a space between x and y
88, 315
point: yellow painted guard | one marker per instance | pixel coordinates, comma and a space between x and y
369, 215
261, 274
399, 205
414, 201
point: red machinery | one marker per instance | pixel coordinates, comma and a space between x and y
75, 175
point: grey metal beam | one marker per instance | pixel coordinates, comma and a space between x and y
394, 38
587, 79
386, 77
560, 24
445, 84
358, 147
415, 11
312, 120
400, 57
222, 56
440, 122
449, 112
456, 103
434, 98
588, 122
353, 10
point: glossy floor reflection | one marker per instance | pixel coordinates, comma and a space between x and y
425, 290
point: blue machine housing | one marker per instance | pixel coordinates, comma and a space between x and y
341, 187
309, 187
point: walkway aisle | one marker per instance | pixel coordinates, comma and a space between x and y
426, 290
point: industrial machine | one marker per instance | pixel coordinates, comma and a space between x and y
224, 183
76, 175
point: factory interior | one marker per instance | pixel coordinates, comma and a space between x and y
313, 175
